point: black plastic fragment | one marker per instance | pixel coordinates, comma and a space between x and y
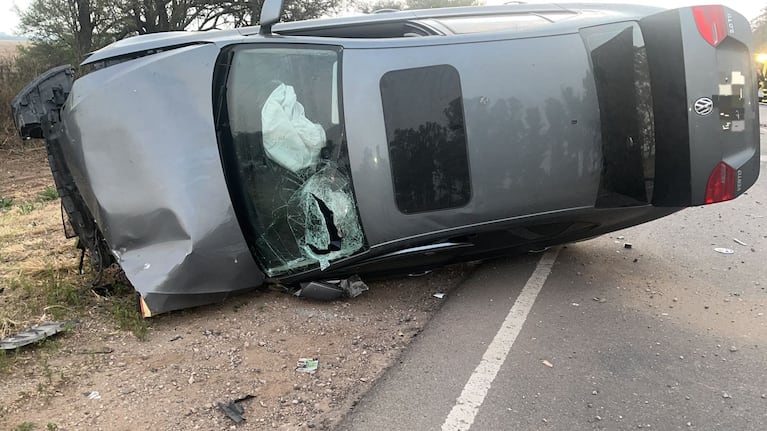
320, 290
234, 409
331, 290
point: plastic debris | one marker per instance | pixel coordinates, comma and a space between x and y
307, 365
439, 295
353, 286
330, 290
599, 300
740, 242
724, 250
627, 245
94, 395
319, 290
234, 409
547, 363
35, 333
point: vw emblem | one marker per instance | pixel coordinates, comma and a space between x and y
704, 106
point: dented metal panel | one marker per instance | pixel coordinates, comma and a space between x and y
148, 166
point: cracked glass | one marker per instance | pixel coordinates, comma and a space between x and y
292, 166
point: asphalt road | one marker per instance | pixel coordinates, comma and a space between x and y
666, 335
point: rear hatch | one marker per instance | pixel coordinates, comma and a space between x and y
705, 105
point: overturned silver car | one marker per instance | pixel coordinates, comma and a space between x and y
209, 163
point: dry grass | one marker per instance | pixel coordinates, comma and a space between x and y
39, 277
8, 47
38, 265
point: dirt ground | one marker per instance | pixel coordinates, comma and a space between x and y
98, 377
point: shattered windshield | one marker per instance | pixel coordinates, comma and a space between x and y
290, 161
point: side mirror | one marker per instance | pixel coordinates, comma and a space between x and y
271, 12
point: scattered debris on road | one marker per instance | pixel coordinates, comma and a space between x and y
35, 333
331, 290
94, 395
740, 242
547, 363
234, 409
307, 365
599, 300
627, 245
439, 295
724, 250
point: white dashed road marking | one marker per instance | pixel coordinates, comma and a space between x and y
468, 403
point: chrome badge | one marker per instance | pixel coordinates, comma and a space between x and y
704, 106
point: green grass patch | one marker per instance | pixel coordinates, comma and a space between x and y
26, 207
127, 317
5, 203
25, 426
60, 294
48, 194
5, 361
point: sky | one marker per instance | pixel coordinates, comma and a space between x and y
8, 18
748, 8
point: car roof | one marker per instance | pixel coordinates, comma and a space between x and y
442, 21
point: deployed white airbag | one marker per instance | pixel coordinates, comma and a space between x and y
290, 139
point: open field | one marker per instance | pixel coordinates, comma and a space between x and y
8, 47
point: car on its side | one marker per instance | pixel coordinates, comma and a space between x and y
209, 163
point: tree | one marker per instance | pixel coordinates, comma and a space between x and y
154, 16
65, 31
428, 4
246, 12
382, 5
72, 28
759, 30
412, 4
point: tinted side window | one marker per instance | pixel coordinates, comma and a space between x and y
423, 113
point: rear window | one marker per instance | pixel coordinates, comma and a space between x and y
622, 77
423, 114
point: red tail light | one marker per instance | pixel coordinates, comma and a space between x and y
711, 22
721, 184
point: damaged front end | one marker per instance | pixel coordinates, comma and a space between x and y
37, 115
134, 155
137, 159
